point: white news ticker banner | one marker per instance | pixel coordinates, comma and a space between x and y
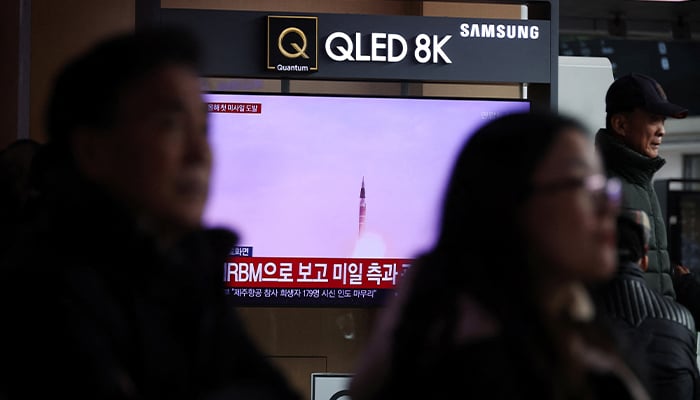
330, 386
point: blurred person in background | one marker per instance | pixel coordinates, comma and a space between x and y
656, 330
498, 309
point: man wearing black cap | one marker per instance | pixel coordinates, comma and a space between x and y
637, 108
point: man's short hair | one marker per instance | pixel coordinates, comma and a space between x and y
87, 90
633, 232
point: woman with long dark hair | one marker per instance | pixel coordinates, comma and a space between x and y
497, 308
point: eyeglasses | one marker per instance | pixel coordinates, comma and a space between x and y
603, 190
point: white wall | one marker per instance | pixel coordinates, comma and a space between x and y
583, 82
674, 164
682, 137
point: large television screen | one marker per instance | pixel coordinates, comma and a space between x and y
332, 196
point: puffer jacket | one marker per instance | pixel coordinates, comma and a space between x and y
658, 331
636, 172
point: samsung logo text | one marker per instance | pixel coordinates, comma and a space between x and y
499, 31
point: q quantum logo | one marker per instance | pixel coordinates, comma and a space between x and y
292, 43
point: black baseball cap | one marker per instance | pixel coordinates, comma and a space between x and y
640, 91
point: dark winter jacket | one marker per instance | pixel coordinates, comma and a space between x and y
636, 172
94, 308
657, 330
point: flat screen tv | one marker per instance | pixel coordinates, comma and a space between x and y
332, 196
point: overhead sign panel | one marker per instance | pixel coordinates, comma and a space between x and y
371, 47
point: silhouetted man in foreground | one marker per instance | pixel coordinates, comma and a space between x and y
116, 293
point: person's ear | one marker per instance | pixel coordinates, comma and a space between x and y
644, 263
618, 123
91, 152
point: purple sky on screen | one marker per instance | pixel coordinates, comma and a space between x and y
288, 179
